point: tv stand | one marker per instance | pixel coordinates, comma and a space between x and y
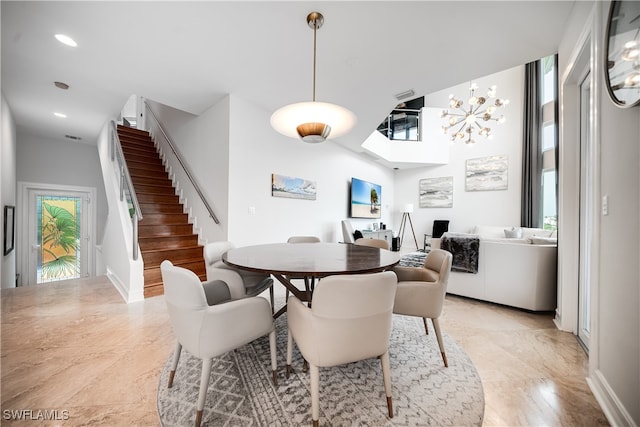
378, 234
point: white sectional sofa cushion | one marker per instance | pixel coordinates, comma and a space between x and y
511, 271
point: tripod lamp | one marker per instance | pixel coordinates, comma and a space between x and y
406, 215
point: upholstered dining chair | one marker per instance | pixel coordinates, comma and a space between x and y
205, 330
347, 231
309, 284
242, 283
350, 320
376, 243
421, 291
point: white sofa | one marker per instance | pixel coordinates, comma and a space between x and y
518, 272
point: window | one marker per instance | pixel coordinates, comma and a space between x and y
549, 142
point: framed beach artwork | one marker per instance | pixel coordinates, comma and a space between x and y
487, 173
436, 192
292, 188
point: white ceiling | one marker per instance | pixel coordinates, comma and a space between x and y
189, 55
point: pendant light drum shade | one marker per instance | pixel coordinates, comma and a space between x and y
313, 121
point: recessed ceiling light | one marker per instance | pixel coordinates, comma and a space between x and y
61, 115
66, 40
61, 85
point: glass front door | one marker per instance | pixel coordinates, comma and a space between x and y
58, 232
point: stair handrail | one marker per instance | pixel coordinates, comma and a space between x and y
125, 181
182, 164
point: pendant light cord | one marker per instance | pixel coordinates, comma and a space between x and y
315, 29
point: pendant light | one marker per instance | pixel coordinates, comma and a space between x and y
313, 121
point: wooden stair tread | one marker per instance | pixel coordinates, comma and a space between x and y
165, 231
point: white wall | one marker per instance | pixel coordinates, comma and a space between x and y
233, 151
619, 290
500, 208
203, 141
614, 355
256, 151
115, 254
7, 190
60, 162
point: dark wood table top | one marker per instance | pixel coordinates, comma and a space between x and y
311, 259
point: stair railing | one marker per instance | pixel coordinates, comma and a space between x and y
126, 186
404, 119
182, 163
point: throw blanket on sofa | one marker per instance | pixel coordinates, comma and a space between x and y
465, 250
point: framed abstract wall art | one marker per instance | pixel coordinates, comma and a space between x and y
436, 192
487, 173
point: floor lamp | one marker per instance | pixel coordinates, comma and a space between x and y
406, 215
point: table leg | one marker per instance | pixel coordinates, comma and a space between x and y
304, 296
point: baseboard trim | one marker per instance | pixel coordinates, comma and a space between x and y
611, 405
125, 293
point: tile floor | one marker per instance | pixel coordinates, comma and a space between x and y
74, 347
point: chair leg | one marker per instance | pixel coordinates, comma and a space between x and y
436, 326
386, 376
426, 328
204, 385
315, 394
289, 352
174, 364
274, 365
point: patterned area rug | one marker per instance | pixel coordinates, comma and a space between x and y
413, 259
241, 392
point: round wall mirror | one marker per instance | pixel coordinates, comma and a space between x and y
622, 73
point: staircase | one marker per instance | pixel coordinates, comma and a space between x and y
165, 231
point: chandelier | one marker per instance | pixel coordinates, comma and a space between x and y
475, 118
313, 121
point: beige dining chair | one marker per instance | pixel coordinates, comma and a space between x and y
376, 243
207, 331
242, 283
350, 320
347, 231
309, 284
421, 291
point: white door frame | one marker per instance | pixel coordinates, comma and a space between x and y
22, 224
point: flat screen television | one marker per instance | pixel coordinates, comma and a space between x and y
366, 199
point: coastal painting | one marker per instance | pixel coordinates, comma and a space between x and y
292, 188
487, 173
436, 192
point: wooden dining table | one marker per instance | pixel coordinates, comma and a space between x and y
286, 261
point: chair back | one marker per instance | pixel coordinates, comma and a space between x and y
439, 261
213, 251
440, 227
376, 243
352, 315
186, 304
347, 231
303, 239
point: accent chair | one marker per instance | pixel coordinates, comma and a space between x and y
205, 330
421, 291
349, 321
